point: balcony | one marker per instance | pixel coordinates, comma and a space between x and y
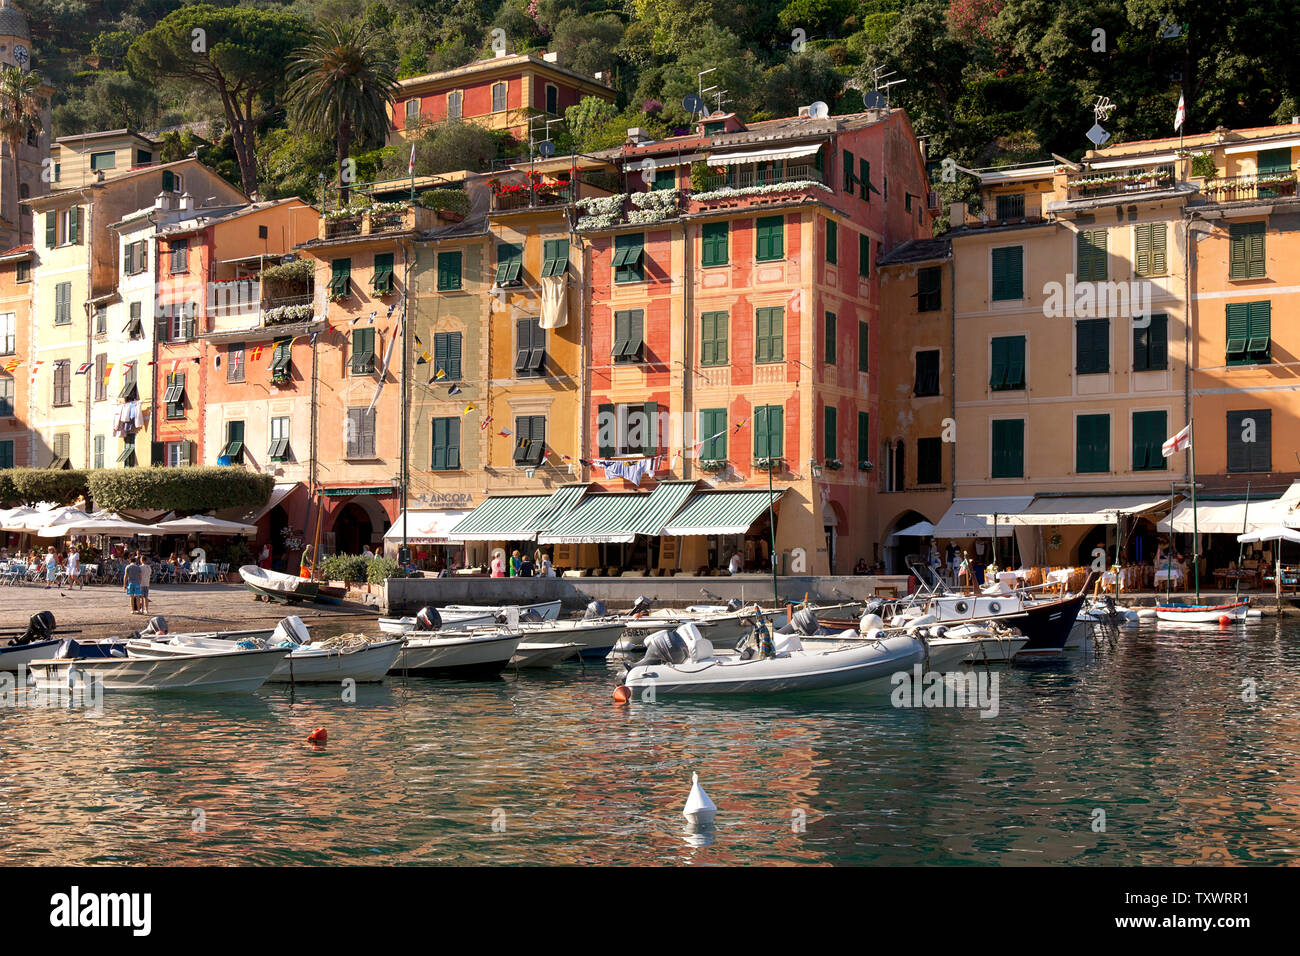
749, 177
1098, 185
507, 197
287, 310
1248, 188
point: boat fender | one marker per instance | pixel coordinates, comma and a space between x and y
939, 631
318, 736
622, 694
1224, 620
921, 621
870, 621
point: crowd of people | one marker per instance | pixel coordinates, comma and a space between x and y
538, 565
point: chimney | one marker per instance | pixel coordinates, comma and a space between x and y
956, 215
162, 201
553, 57
805, 112
635, 134
186, 203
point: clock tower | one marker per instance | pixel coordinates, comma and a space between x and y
21, 179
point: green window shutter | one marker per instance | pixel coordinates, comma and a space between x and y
446, 444
1271, 161
168, 181
449, 271
128, 265
1150, 249
864, 436
1258, 344
864, 352
770, 242
629, 253
832, 242
629, 335
1246, 250
51, 229
1151, 344
1149, 435
1238, 327
849, 178
713, 243
447, 356
1008, 279
713, 338
998, 364
381, 277
1008, 448
1159, 261
555, 257
1091, 265
864, 255
830, 338
713, 421
606, 430
1092, 337
830, 447
510, 259
340, 277
74, 225
363, 351
769, 327
864, 179
1092, 444
769, 431
1250, 456
1142, 249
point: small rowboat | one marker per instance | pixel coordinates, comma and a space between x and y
284, 588
1201, 613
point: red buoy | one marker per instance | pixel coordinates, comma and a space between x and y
318, 736
622, 694
1224, 619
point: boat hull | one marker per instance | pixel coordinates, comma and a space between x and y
461, 656
543, 655
1201, 614
236, 672
363, 665
11, 658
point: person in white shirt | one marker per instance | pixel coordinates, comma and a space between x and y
736, 564
145, 573
74, 568
547, 571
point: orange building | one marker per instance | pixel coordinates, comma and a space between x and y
15, 321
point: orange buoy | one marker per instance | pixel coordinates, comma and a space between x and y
622, 694
1224, 619
318, 736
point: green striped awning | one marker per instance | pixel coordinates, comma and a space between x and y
720, 512
500, 518
557, 506
664, 502
598, 519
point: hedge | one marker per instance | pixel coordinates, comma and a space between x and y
350, 568
193, 488
381, 568
34, 485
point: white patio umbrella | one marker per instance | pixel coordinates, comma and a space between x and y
108, 523
204, 524
1277, 533
922, 529
14, 519
34, 524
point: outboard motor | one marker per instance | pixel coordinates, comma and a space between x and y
157, 625
698, 646
530, 616
428, 619
291, 630
40, 627
665, 647
805, 622
595, 610
734, 605
640, 607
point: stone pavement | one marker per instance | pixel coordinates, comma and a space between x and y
104, 610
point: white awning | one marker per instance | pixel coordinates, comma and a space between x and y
1255, 146
426, 527
1222, 517
762, 155
973, 517
1274, 533
1085, 510
922, 529
1135, 162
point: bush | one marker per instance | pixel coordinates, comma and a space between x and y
178, 489
381, 568
33, 485
445, 200
350, 568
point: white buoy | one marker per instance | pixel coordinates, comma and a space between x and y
699, 809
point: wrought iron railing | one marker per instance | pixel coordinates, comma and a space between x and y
1258, 186
547, 194
1096, 185
745, 177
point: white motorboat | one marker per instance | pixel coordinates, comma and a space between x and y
529, 654
14, 656
1202, 613
546, 610
276, 586
723, 624
682, 662
457, 653
236, 671
595, 637
398, 626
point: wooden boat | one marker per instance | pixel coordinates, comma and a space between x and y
276, 586
1201, 613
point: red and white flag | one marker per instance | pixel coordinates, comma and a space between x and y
410, 166
1180, 442
1181, 116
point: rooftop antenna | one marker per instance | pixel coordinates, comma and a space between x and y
886, 87
699, 83
1101, 109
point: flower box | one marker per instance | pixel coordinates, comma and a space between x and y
865, 466
769, 464
713, 465
833, 464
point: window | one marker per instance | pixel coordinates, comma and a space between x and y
1092, 444
628, 254
170, 181
129, 392
63, 303
631, 429
135, 257
1091, 255
769, 431
1249, 332
927, 373
178, 324
832, 242
359, 434
23, 272
363, 351
864, 255
381, 278
279, 450
455, 103
555, 257
830, 338
1149, 249
1151, 344
101, 377
100, 161
849, 178
63, 382
6, 397
413, 110
1008, 447
530, 348
864, 352
1246, 250
530, 439
177, 454
713, 338
143, 157
446, 356
929, 289
62, 450
63, 226
713, 243
6, 454
98, 445
174, 396
234, 445
1269, 162
552, 99
1092, 346
180, 256
1011, 206
101, 320
340, 278
8, 333
864, 437
1250, 440
1008, 262
1008, 363
510, 263
134, 323
769, 243
446, 445
629, 336
1149, 435
929, 461
126, 457
449, 271
665, 179
864, 180
498, 97
713, 434
235, 363
769, 335
830, 425
281, 359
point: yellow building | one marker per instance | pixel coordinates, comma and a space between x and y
81, 159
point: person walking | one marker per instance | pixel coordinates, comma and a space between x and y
131, 584
736, 564
146, 572
74, 568
51, 567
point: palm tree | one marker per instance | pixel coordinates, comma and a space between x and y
341, 85
22, 111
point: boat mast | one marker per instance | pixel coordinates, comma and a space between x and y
1196, 538
1241, 547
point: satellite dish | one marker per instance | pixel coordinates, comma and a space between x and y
873, 100
819, 110
546, 148
1097, 134
692, 103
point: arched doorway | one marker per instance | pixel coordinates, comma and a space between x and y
1099, 536
277, 521
899, 547
352, 529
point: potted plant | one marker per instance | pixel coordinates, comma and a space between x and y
713, 465
281, 377
833, 464
769, 464
865, 466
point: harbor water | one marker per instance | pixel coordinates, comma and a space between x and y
1173, 746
